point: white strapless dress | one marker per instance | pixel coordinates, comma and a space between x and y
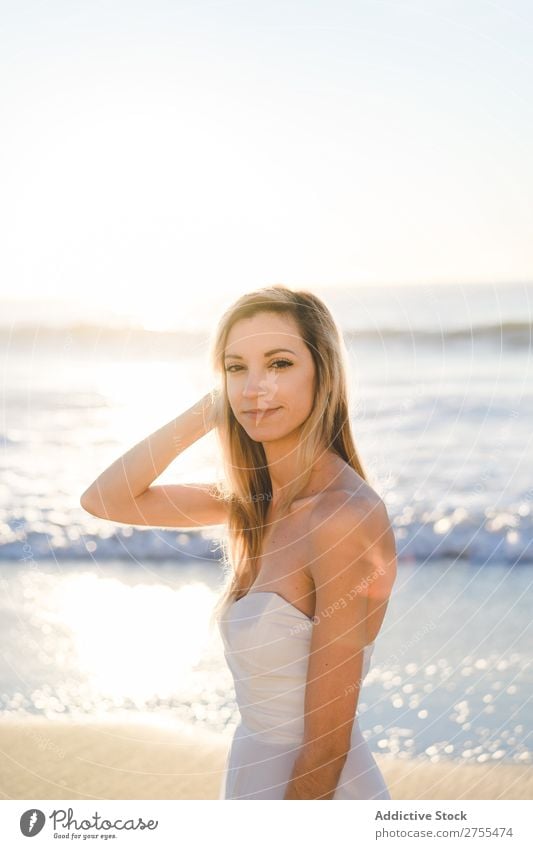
266, 644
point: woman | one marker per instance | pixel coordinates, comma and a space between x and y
312, 556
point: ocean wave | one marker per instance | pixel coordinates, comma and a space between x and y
490, 537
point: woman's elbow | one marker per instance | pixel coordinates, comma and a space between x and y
92, 503
86, 501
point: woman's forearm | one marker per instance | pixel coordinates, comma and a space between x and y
132, 473
314, 777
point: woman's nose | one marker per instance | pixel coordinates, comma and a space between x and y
263, 386
254, 386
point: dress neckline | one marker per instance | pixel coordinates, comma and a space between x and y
277, 595
288, 604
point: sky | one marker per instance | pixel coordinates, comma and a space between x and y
154, 153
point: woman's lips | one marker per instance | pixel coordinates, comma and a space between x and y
262, 413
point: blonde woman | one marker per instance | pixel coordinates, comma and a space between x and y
311, 557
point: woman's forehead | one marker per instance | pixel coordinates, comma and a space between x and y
263, 331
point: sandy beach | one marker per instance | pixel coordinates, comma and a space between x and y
132, 759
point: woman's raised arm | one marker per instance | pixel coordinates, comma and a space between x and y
122, 492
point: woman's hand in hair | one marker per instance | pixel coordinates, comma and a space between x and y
210, 408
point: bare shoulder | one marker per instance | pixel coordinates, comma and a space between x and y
356, 523
348, 508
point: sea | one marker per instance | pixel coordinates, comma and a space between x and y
105, 619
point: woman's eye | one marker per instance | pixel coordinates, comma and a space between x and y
279, 363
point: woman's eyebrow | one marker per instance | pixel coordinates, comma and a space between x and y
266, 354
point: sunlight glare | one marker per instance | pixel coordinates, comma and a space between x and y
135, 642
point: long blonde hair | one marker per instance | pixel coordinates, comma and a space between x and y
248, 487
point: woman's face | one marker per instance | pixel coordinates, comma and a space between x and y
271, 391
